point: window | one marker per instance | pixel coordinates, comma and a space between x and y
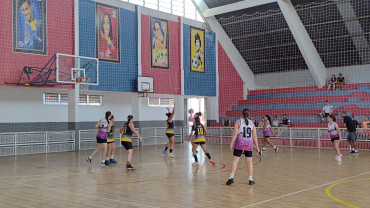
184, 8
161, 102
62, 99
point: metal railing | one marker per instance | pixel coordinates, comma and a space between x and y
293, 137
20, 143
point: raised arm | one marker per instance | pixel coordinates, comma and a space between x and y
131, 125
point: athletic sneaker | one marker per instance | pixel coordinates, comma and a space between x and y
276, 149
171, 155
230, 181
212, 161
353, 152
164, 152
260, 152
107, 162
195, 164
129, 167
251, 182
88, 160
338, 158
103, 164
113, 161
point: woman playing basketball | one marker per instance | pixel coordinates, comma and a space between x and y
111, 144
267, 133
244, 136
335, 136
170, 133
200, 133
101, 137
126, 140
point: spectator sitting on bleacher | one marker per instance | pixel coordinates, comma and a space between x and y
340, 82
365, 123
226, 121
332, 82
326, 111
285, 123
366, 127
275, 124
354, 121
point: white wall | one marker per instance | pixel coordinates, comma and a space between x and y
301, 78
352, 74
25, 104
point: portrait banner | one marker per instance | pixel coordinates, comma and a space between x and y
197, 55
159, 39
29, 26
107, 33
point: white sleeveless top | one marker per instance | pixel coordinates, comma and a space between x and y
244, 139
333, 132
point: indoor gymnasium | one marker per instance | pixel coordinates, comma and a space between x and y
185, 103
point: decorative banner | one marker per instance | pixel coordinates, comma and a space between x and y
197, 56
29, 26
107, 33
159, 43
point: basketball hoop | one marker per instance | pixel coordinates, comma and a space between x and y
79, 79
85, 86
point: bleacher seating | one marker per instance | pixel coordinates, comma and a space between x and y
302, 104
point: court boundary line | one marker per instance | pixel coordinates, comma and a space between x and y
303, 190
327, 191
86, 195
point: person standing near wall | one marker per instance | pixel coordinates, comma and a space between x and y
104, 127
126, 140
111, 144
170, 133
226, 121
351, 129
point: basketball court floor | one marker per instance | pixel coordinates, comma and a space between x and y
293, 177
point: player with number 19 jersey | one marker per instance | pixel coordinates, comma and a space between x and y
244, 140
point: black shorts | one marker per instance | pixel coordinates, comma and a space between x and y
326, 115
199, 143
110, 142
100, 141
126, 145
169, 135
336, 138
239, 153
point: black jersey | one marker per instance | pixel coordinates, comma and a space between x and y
199, 132
126, 130
170, 125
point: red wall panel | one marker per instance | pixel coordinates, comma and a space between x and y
60, 39
166, 81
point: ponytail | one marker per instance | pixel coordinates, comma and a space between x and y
107, 114
246, 115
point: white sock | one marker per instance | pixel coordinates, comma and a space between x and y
103, 161
274, 147
107, 158
231, 175
250, 178
112, 157
263, 148
90, 157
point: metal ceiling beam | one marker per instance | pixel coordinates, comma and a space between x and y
231, 7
